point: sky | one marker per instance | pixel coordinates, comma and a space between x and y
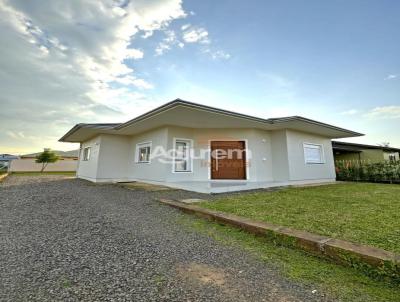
68, 62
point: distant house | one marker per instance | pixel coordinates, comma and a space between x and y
352, 151
5, 160
8, 157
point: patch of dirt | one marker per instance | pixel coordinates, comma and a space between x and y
203, 273
232, 284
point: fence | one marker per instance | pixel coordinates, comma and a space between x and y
29, 165
364, 170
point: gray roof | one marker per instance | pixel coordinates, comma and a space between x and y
359, 147
179, 102
7, 157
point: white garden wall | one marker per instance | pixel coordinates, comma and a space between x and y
29, 165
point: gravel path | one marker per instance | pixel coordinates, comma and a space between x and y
70, 240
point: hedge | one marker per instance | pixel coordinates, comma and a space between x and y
359, 170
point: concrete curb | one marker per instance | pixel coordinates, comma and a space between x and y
3, 176
371, 260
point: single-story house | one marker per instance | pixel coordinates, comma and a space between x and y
206, 149
352, 151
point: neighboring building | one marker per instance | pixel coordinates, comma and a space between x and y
205, 149
352, 151
7, 157
5, 160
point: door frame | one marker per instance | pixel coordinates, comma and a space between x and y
246, 148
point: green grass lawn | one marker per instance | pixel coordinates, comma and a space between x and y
359, 212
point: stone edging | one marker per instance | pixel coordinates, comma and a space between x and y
373, 261
3, 176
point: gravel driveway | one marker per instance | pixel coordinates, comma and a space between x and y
70, 240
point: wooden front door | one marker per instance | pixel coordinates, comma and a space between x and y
228, 160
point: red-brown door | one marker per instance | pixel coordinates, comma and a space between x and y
228, 160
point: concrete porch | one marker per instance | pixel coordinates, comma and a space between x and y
223, 186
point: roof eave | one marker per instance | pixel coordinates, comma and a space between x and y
179, 102
81, 125
71, 131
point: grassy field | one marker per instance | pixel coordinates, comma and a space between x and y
337, 282
358, 212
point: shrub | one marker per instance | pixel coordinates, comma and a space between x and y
359, 170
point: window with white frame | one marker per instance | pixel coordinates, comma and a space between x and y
143, 151
313, 153
392, 157
86, 153
182, 159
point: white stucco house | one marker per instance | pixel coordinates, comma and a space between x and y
205, 149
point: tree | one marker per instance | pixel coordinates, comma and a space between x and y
46, 157
384, 144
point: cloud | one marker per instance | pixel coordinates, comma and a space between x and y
220, 54
132, 53
16, 135
185, 26
350, 112
190, 34
63, 62
167, 43
391, 76
217, 54
384, 112
195, 35
131, 80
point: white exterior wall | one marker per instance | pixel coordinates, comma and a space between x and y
88, 169
272, 156
258, 143
155, 170
113, 158
298, 169
280, 160
387, 154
